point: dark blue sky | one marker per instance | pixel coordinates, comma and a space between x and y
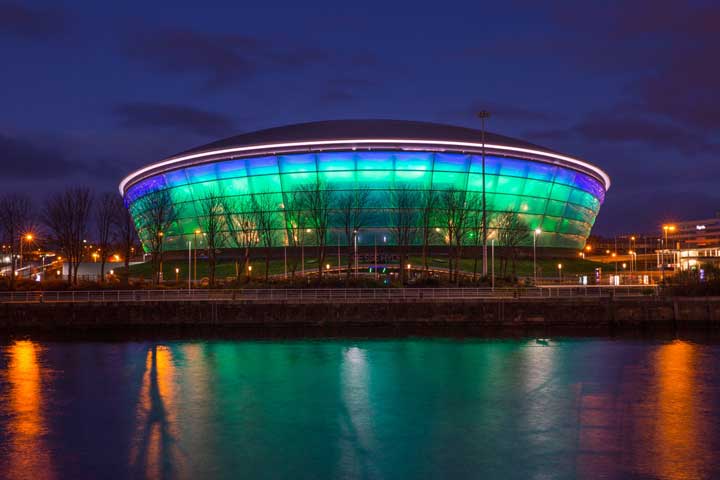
92, 90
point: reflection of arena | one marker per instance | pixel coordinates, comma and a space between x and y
560, 195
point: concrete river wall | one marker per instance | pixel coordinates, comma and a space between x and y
492, 312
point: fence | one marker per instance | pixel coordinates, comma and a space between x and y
335, 295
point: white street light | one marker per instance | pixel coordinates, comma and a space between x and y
536, 232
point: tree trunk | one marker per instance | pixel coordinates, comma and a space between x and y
267, 264
211, 267
102, 269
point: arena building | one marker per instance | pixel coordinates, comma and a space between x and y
381, 172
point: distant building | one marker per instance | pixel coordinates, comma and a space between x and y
690, 234
691, 244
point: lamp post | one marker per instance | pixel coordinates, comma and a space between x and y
536, 232
27, 237
189, 264
560, 272
355, 232
177, 275
666, 229
375, 260
492, 263
483, 115
615, 262
160, 241
195, 234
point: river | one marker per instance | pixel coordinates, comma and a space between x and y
356, 408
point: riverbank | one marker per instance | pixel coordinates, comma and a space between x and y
576, 313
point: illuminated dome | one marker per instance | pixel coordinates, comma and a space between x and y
557, 193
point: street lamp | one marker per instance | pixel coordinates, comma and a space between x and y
492, 263
666, 229
28, 237
560, 272
177, 275
195, 234
483, 115
536, 232
355, 232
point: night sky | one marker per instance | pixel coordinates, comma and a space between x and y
92, 90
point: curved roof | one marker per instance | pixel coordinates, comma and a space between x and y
366, 128
365, 134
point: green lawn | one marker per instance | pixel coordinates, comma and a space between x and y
524, 267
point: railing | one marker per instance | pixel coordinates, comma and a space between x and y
332, 295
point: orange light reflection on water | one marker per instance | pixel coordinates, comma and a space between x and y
28, 456
678, 433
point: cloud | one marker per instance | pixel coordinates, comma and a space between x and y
25, 158
28, 23
176, 117
627, 127
221, 59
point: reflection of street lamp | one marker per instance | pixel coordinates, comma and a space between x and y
536, 232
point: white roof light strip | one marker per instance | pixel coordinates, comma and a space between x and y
176, 160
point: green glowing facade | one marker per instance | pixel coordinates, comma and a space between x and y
372, 160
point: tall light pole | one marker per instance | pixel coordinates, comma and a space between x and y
29, 238
355, 232
492, 263
483, 115
666, 229
536, 232
195, 234
375, 260
189, 264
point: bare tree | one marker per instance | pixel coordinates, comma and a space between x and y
456, 206
295, 223
125, 235
352, 210
242, 227
105, 219
16, 218
67, 215
317, 200
212, 223
512, 231
268, 222
155, 214
404, 220
428, 206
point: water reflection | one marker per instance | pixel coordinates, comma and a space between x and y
361, 409
28, 455
356, 443
155, 452
673, 420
